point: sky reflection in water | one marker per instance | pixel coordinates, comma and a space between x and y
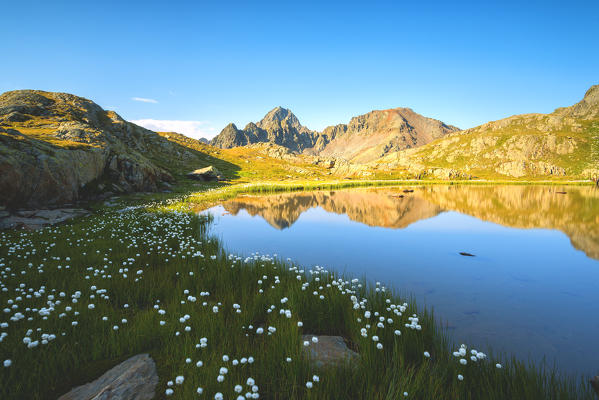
527, 291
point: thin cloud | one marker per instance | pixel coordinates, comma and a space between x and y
144, 100
194, 129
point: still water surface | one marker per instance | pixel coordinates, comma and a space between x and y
532, 287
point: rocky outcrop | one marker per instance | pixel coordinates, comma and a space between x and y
133, 379
57, 148
518, 169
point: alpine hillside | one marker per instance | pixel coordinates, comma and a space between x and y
562, 143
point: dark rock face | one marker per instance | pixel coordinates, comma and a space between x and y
55, 146
133, 379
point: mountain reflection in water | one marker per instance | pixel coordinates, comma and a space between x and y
575, 213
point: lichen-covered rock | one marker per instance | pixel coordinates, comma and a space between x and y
133, 379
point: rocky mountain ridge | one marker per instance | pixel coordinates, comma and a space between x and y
365, 138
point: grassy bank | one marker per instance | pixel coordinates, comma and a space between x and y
79, 298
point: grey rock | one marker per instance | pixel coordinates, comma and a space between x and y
133, 379
330, 351
36, 219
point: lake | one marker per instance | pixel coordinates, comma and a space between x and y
529, 287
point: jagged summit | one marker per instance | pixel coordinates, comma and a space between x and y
279, 126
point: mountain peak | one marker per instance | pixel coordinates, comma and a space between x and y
587, 108
278, 114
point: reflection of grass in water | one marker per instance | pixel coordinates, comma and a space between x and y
166, 247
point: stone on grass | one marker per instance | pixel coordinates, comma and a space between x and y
133, 379
208, 174
329, 351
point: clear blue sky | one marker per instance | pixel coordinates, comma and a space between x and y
462, 62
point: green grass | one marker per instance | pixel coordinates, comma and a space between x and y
100, 245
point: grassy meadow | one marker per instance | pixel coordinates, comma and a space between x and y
79, 298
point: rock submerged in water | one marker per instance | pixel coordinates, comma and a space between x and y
208, 174
329, 351
133, 379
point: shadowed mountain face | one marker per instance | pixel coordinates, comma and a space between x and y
366, 137
576, 213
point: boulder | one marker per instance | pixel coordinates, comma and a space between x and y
35, 219
208, 174
329, 351
133, 379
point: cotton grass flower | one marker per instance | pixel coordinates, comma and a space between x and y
460, 377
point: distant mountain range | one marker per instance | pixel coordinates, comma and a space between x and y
365, 138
